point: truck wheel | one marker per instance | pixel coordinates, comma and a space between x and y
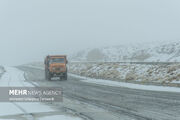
48, 76
65, 76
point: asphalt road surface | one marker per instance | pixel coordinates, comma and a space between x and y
98, 102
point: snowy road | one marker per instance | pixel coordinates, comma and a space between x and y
103, 102
26, 111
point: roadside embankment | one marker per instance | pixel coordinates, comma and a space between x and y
159, 74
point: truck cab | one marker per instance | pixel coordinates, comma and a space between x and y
56, 66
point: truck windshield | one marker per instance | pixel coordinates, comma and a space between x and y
57, 60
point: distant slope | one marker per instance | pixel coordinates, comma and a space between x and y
158, 52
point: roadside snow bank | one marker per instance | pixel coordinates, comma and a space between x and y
127, 85
14, 77
142, 73
59, 117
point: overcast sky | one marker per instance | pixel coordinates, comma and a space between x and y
31, 29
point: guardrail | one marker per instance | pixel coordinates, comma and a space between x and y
146, 63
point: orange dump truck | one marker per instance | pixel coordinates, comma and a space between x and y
56, 66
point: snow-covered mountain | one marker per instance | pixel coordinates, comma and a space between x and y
150, 52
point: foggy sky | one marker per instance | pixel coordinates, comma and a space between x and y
31, 29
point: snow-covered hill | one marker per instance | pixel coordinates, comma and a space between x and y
150, 52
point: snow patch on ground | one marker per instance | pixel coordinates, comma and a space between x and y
15, 78
127, 85
9, 109
59, 117
34, 66
7, 119
35, 107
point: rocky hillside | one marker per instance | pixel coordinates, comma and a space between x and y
154, 52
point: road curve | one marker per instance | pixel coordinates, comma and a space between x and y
118, 103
